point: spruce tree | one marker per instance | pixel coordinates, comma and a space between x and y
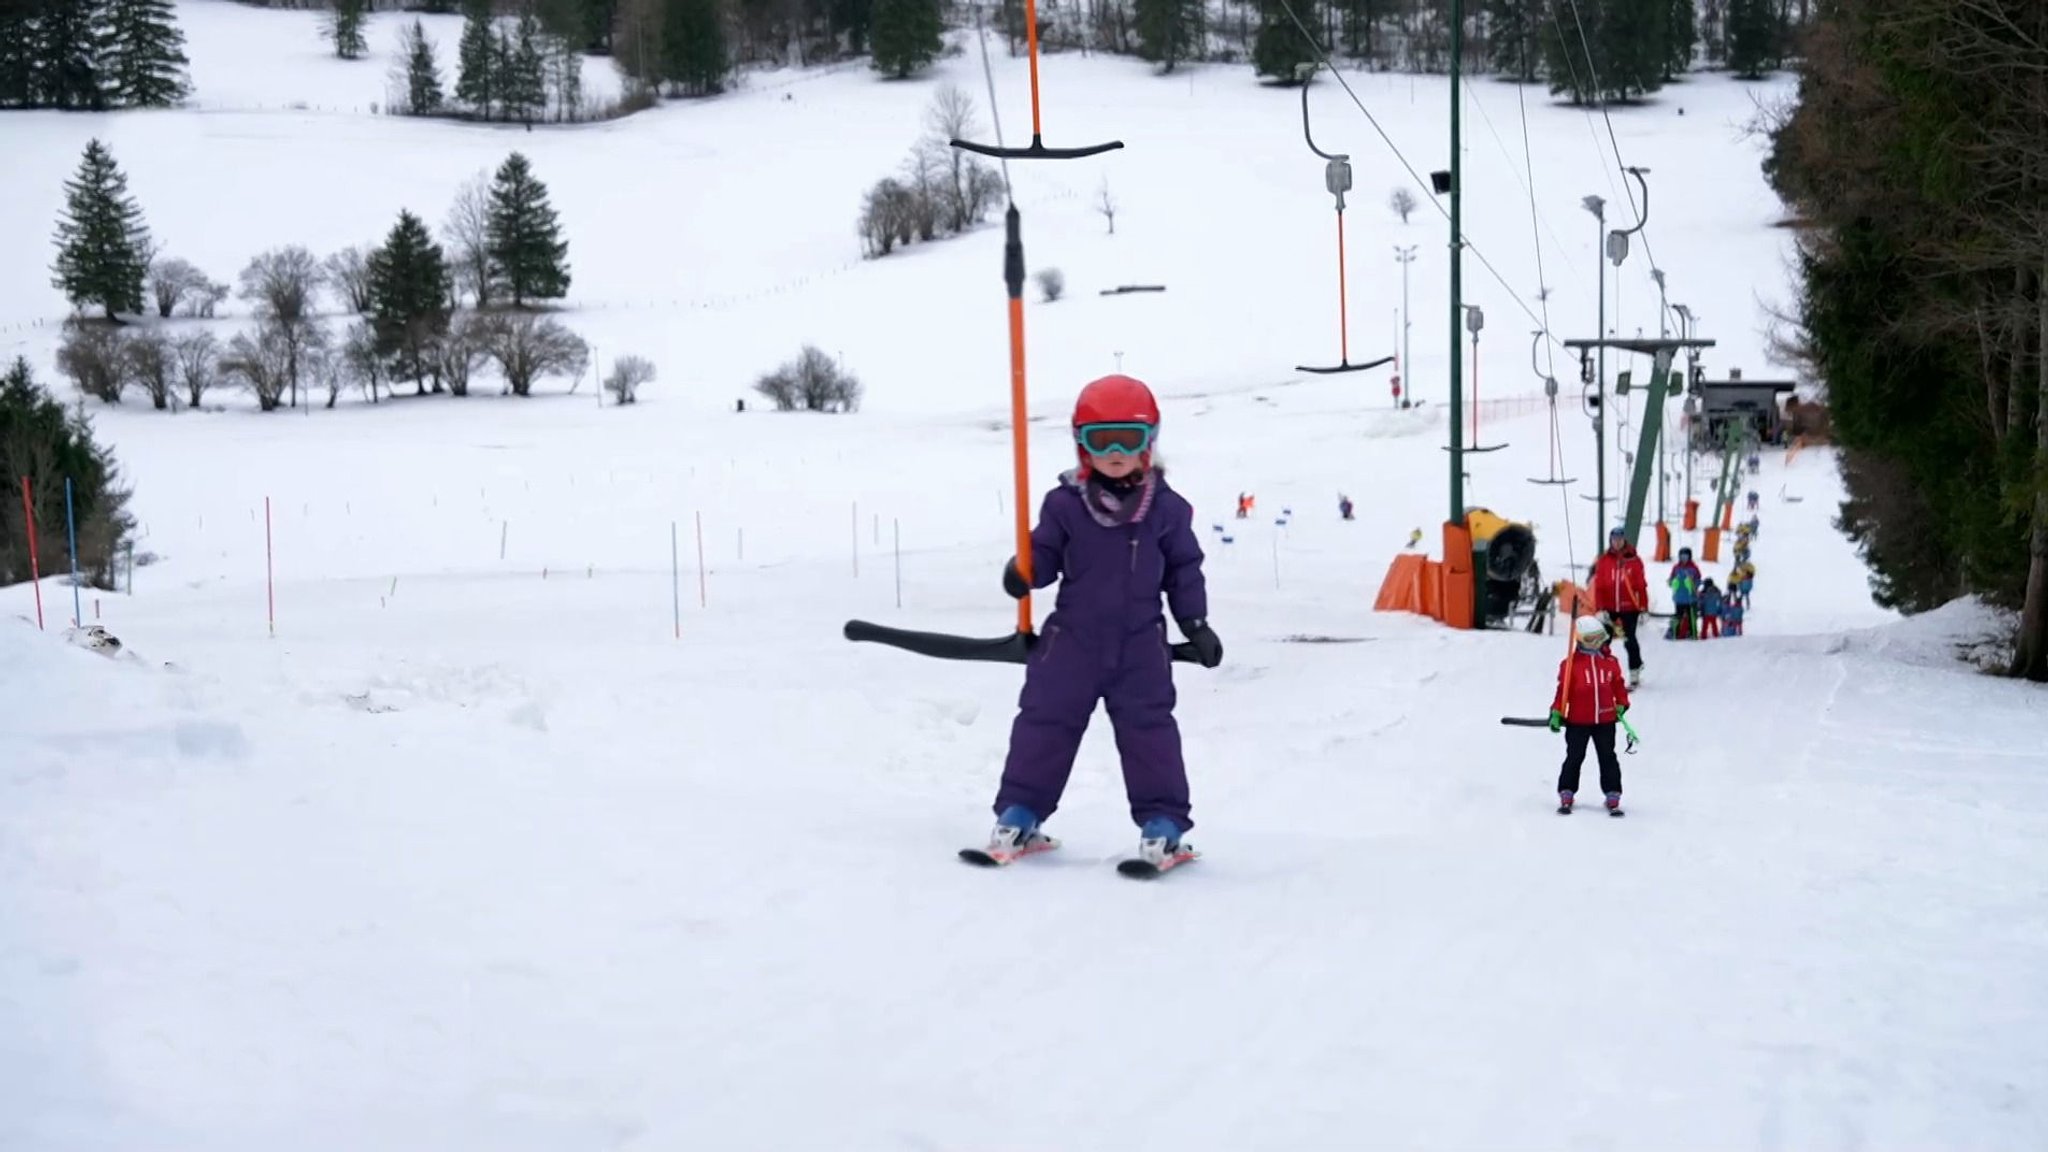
408, 288
422, 72
19, 67
522, 77
345, 28
145, 53
101, 240
39, 440
693, 49
70, 57
1168, 30
1514, 28
1752, 38
904, 36
1682, 37
528, 254
1280, 45
477, 58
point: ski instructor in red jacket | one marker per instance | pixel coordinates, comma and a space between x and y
1622, 591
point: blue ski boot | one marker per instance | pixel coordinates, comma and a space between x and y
1158, 841
1017, 833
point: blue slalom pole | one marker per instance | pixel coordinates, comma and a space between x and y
71, 528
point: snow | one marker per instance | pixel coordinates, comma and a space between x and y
477, 851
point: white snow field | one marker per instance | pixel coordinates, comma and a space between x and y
523, 832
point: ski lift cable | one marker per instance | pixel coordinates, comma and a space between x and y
1323, 58
1529, 163
1539, 222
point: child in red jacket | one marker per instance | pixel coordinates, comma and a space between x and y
1592, 696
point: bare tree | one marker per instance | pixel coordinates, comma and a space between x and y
95, 356
176, 281
1402, 201
627, 375
811, 383
357, 360
888, 217
261, 364
1106, 205
204, 298
152, 365
467, 232
284, 283
928, 177
349, 272
970, 188
528, 348
197, 358
1052, 283
462, 352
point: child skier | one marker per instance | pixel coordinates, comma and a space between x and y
1731, 617
1591, 698
1116, 538
1711, 603
1684, 581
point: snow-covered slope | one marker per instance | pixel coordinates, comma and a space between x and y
525, 831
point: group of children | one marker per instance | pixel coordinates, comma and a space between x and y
1702, 609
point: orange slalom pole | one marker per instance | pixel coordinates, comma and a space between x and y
1343, 304
1020, 436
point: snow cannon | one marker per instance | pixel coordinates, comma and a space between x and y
1504, 553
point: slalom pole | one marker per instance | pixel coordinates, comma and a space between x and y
71, 534
35, 572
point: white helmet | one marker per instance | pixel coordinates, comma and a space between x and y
1590, 628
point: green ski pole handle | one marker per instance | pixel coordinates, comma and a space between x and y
1625, 727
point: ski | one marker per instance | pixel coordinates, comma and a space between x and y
1564, 809
986, 859
1138, 869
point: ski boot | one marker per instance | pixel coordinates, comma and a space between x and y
1564, 803
1159, 843
1635, 678
1614, 803
1017, 833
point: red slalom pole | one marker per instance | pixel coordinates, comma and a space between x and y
35, 573
269, 568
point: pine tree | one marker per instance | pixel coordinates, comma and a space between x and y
1280, 45
19, 67
145, 53
527, 251
1515, 37
905, 36
1682, 37
1752, 38
423, 93
1168, 30
477, 58
408, 283
522, 74
69, 55
39, 440
101, 240
693, 49
345, 28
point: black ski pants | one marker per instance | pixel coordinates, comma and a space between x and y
1628, 620
1601, 736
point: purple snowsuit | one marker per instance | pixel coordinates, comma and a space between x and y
1113, 554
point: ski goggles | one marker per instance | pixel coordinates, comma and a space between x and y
1114, 439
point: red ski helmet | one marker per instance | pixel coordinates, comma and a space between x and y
1115, 400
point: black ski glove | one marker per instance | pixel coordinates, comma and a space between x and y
1208, 648
1014, 582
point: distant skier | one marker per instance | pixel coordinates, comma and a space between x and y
1753, 501
1622, 591
1684, 583
1344, 506
1731, 617
1116, 538
1591, 698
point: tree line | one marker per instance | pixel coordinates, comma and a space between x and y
505, 255
1917, 161
91, 55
